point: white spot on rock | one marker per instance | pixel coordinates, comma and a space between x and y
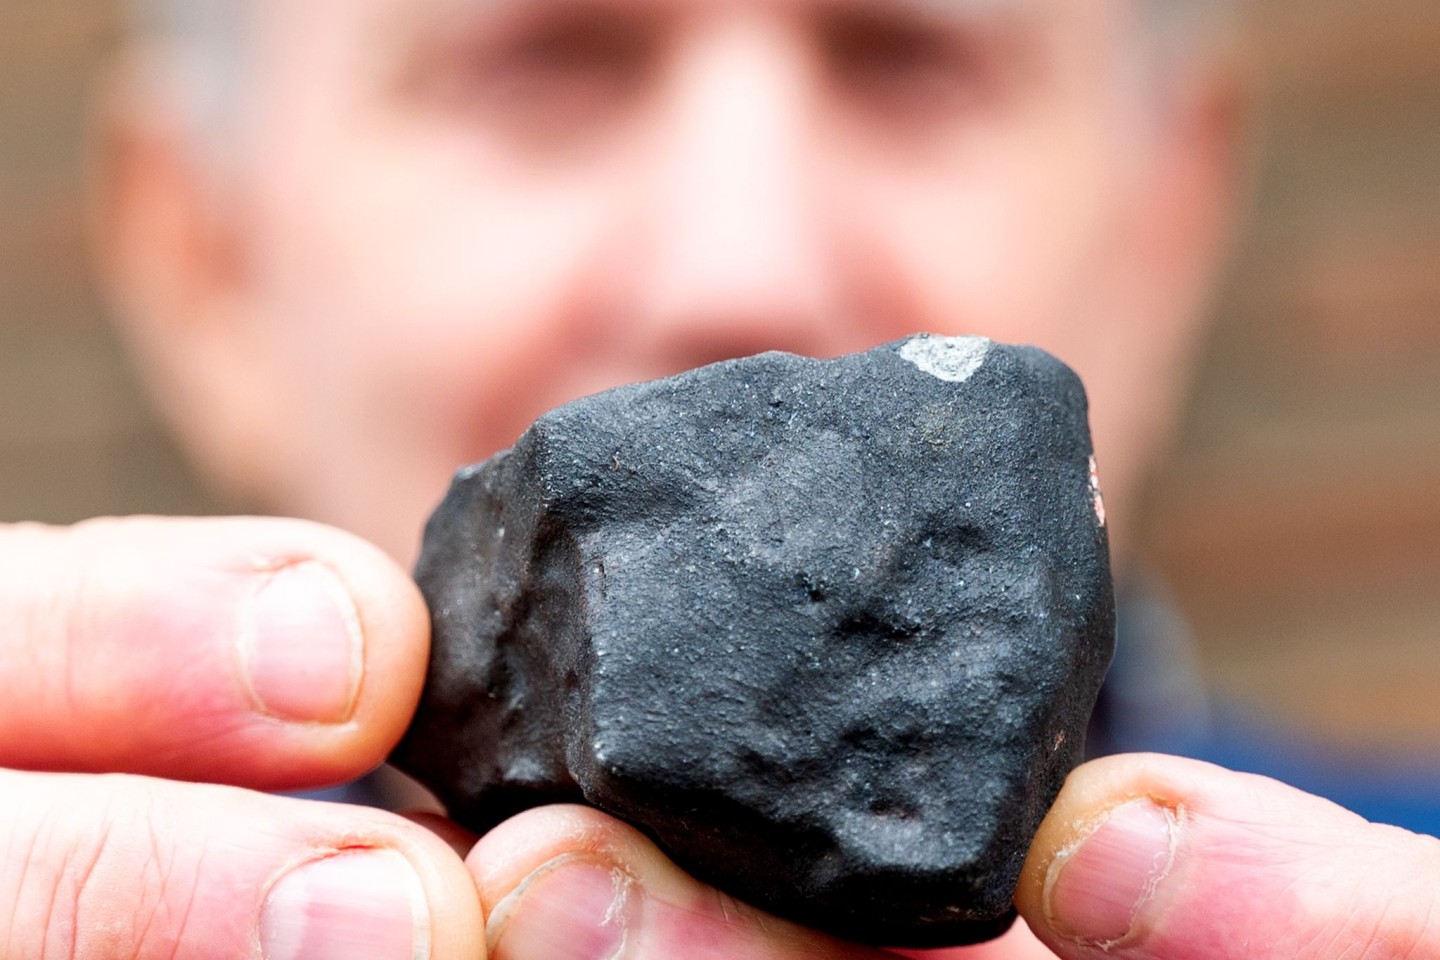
1095, 492
952, 359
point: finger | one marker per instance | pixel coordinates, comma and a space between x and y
270, 653
456, 837
128, 867
570, 883
1018, 943
1149, 857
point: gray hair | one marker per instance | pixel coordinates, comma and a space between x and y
194, 52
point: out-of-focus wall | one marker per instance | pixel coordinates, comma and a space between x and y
75, 437
1300, 523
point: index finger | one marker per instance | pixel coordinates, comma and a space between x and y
274, 654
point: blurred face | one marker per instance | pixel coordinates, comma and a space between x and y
453, 215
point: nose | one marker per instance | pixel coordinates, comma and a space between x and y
736, 255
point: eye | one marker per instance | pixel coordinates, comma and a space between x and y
892, 61
578, 47
556, 71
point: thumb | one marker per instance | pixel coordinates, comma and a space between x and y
1149, 857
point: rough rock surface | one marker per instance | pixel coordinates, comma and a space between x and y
829, 631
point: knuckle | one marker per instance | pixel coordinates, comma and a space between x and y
1390, 921
103, 880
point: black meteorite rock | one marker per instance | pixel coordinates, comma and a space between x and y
829, 631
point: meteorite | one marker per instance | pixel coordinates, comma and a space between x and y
828, 631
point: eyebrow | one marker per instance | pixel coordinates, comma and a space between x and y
962, 7
942, 9
441, 17
946, 12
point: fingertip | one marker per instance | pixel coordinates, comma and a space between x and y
456, 837
1089, 799
572, 883
395, 624
270, 653
556, 882
128, 866
457, 918
374, 606
505, 856
450, 911
1143, 853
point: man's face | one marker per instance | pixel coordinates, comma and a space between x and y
457, 214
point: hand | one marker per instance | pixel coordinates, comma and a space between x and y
1149, 857
263, 654
1142, 858
571, 883
275, 654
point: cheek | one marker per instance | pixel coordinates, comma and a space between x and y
417, 267
400, 287
1001, 242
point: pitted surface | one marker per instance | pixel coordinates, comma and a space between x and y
829, 631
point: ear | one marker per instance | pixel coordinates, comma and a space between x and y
170, 239
1177, 216
1181, 223
1203, 171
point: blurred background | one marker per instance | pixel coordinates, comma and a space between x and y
1298, 524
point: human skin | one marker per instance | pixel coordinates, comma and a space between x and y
1142, 857
422, 225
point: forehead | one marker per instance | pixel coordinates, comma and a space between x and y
381, 19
